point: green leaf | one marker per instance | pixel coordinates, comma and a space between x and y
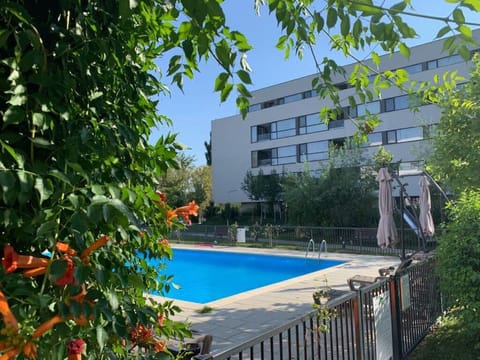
345, 25
398, 7
472, 4
17, 100
465, 31
16, 156
41, 142
79, 223
221, 81
113, 300
60, 176
244, 76
464, 52
13, 115
44, 188
366, 7
332, 17
102, 336
443, 31
57, 269
404, 50
225, 92
46, 228
458, 16
375, 58
38, 119
447, 44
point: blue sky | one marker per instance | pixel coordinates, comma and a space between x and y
193, 110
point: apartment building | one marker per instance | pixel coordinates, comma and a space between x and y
282, 130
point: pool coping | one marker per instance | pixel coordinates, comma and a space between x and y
238, 318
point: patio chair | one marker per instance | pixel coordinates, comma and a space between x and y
196, 348
358, 281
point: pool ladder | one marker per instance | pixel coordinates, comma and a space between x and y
321, 247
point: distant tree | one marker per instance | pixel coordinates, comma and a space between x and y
301, 196
176, 181
201, 180
186, 181
342, 195
208, 152
382, 158
263, 187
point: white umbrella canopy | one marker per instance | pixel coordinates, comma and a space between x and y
426, 221
387, 232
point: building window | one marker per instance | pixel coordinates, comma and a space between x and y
374, 139
262, 132
293, 98
445, 61
286, 128
391, 137
410, 134
337, 143
285, 155
261, 158
413, 69
307, 94
254, 107
402, 102
334, 124
313, 151
310, 124
370, 108
389, 104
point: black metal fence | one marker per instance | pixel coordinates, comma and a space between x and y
385, 320
348, 239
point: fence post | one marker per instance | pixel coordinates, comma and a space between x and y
396, 325
357, 318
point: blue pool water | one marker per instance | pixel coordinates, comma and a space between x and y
205, 276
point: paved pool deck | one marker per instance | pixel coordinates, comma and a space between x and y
237, 319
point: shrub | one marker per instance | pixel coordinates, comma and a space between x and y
459, 259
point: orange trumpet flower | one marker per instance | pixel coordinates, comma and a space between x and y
67, 278
46, 326
35, 272
65, 248
12, 261
97, 244
190, 209
7, 315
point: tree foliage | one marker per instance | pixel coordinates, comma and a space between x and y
456, 157
458, 260
77, 179
78, 84
186, 181
263, 187
342, 195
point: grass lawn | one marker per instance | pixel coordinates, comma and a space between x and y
448, 341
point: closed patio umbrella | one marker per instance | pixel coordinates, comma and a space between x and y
426, 221
386, 232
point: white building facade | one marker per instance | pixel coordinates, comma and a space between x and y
282, 130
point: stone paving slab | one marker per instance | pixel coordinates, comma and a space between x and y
239, 318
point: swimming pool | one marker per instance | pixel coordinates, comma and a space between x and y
207, 275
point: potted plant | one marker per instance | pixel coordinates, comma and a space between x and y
322, 294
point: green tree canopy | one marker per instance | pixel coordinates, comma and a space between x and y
456, 157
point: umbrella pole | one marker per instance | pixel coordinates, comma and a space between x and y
402, 223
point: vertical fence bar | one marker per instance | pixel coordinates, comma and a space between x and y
395, 313
357, 318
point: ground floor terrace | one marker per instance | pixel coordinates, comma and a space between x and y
238, 319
